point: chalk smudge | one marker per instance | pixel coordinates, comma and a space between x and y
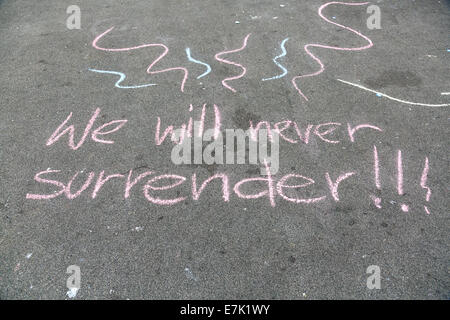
208, 67
380, 94
190, 275
72, 293
376, 201
244, 70
149, 69
122, 78
313, 45
283, 50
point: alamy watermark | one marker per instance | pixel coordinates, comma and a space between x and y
235, 147
73, 281
73, 21
374, 280
374, 20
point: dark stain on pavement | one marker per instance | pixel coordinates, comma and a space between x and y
242, 118
394, 78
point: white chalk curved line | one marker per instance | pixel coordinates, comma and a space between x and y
395, 99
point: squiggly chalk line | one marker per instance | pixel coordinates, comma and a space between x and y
122, 78
322, 67
166, 50
283, 49
380, 94
208, 67
244, 70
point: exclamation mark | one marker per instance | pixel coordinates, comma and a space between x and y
376, 169
423, 184
404, 207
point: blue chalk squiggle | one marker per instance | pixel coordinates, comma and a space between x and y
208, 67
283, 49
122, 78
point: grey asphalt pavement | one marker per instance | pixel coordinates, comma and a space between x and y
278, 244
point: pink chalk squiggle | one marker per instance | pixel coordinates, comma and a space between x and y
322, 67
166, 50
244, 70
